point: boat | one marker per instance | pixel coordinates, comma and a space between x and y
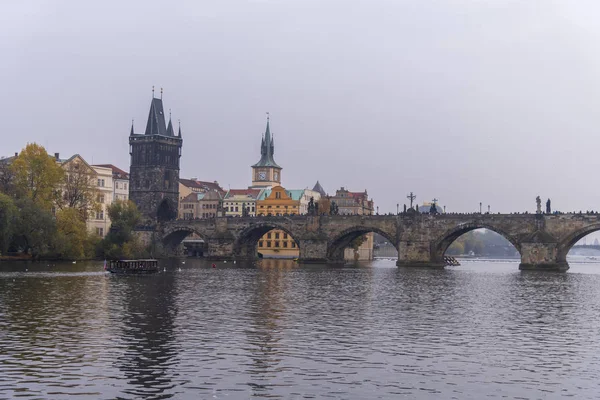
131, 266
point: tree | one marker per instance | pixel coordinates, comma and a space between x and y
71, 234
35, 232
36, 175
120, 240
7, 179
79, 188
8, 219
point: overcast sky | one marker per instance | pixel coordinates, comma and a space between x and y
468, 101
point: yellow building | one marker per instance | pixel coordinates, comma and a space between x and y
278, 202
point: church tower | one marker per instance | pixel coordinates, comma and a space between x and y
266, 172
154, 170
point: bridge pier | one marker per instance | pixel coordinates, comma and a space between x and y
220, 249
418, 254
312, 251
542, 257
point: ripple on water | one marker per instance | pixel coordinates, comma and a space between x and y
280, 330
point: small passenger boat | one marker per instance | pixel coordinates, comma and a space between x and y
131, 266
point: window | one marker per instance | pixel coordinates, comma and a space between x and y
269, 235
260, 243
100, 198
285, 236
100, 215
125, 186
101, 182
276, 235
100, 231
285, 244
268, 244
278, 195
293, 245
236, 209
277, 243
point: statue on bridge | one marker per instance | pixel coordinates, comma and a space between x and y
538, 202
333, 209
548, 208
433, 208
245, 210
311, 206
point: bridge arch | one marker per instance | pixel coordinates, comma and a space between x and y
444, 241
173, 236
570, 240
337, 245
246, 243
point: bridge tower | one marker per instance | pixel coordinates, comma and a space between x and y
154, 168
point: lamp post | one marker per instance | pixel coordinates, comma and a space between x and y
479, 207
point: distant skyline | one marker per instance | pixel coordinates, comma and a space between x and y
465, 101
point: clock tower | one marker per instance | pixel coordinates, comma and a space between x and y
266, 172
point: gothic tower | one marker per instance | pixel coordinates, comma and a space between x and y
266, 172
154, 170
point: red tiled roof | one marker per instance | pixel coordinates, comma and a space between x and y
254, 193
192, 183
117, 172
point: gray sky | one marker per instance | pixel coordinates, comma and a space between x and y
464, 100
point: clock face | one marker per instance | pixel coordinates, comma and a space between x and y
262, 175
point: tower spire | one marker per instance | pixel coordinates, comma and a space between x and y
179, 133
131, 133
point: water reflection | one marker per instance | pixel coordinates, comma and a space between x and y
147, 311
267, 307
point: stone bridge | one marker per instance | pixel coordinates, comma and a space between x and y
543, 241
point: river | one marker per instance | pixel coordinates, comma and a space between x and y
281, 330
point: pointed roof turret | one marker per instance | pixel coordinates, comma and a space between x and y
318, 188
179, 133
170, 129
267, 149
131, 133
156, 119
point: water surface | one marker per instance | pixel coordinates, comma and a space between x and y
277, 329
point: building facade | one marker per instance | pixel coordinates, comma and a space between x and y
201, 205
353, 203
154, 170
356, 203
100, 221
193, 185
120, 180
277, 201
235, 200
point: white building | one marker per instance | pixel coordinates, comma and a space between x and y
99, 223
236, 199
120, 180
